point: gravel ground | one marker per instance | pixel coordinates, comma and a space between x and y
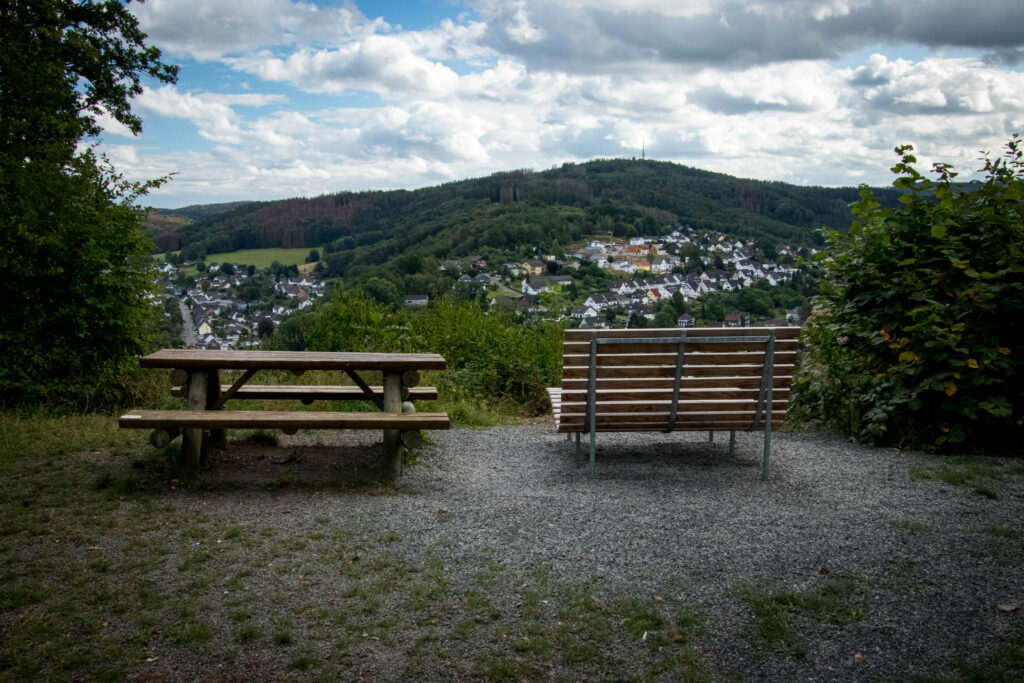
939, 566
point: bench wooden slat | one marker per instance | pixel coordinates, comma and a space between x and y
781, 333
274, 419
666, 404
692, 346
665, 394
663, 359
625, 384
314, 391
681, 425
745, 416
646, 371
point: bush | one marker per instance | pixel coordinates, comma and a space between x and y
916, 337
493, 358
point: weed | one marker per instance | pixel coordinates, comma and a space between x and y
911, 528
282, 638
835, 600
975, 473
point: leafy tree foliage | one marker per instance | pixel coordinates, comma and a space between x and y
72, 250
917, 336
495, 358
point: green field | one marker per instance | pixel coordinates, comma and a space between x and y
261, 258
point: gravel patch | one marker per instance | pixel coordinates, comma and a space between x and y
672, 516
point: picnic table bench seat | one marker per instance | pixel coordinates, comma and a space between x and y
672, 379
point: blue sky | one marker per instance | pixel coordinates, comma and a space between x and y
278, 98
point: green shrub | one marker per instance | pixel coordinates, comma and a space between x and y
493, 357
917, 336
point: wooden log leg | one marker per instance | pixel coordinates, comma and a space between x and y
218, 438
192, 438
160, 438
392, 437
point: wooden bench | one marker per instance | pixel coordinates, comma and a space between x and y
668, 380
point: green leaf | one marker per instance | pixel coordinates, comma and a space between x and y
939, 231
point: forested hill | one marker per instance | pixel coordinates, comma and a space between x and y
546, 209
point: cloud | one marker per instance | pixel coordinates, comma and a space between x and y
590, 36
937, 86
382, 64
209, 30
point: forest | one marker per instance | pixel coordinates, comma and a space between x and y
512, 211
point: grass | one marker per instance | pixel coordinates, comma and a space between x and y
261, 258
831, 600
106, 572
110, 570
979, 474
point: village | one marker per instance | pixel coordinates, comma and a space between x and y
232, 306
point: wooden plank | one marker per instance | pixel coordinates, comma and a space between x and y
745, 370
651, 407
680, 426
317, 392
290, 360
605, 395
663, 359
272, 419
693, 346
662, 417
695, 332
778, 382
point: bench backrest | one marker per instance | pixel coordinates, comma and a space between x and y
676, 379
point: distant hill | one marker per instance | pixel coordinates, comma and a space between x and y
504, 211
166, 225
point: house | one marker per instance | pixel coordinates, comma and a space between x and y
737, 319
533, 267
685, 320
416, 300
546, 283
582, 312
601, 300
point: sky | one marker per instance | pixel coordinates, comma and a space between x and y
280, 98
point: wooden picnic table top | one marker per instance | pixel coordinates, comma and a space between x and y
200, 359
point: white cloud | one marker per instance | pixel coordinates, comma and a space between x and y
382, 64
209, 30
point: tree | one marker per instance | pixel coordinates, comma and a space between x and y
74, 257
313, 256
916, 336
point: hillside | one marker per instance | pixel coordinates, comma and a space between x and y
514, 210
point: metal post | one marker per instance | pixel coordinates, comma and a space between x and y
592, 401
732, 441
677, 382
711, 436
769, 363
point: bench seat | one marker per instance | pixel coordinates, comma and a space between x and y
273, 419
311, 392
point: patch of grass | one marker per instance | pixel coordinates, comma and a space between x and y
41, 435
976, 473
911, 528
834, 600
283, 638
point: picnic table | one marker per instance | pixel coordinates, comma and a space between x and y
197, 374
